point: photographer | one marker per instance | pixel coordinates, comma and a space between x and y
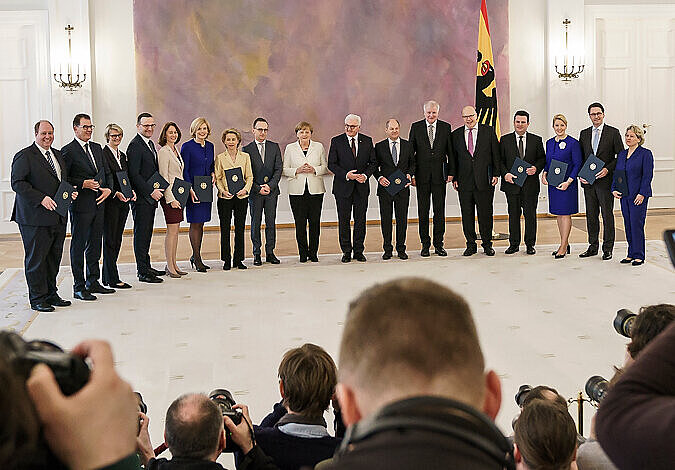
195, 436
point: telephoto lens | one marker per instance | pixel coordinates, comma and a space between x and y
520, 394
596, 388
623, 323
223, 398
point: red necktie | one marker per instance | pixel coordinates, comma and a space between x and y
470, 143
353, 147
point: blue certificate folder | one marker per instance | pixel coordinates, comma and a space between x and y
63, 198
125, 187
519, 169
556, 172
620, 183
181, 191
397, 181
235, 180
591, 167
203, 188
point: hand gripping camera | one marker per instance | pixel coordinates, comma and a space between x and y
223, 398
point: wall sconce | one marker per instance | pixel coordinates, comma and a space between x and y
71, 82
568, 66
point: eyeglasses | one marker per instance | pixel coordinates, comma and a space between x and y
148, 126
88, 128
115, 136
595, 114
351, 127
260, 130
469, 116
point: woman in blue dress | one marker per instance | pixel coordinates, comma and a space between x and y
198, 156
563, 200
638, 163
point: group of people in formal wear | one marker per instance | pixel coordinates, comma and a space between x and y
470, 158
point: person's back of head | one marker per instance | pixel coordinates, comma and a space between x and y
650, 321
544, 392
194, 428
307, 378
545, 437
411, 337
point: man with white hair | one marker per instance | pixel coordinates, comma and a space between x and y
351, 158
434, 167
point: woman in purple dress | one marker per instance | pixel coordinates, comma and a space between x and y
198, 156
563, 200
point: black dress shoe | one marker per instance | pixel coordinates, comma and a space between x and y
84, 295
489, 251
626, 261
240, 265
346, 258
386, 255
530, 250
440, 251
606, 255
257, 261
470, 250
402, 255
360, 257
56, 301
156, 272
270, 258
227, 266
303, 258
425, 253
638, 262
150, 278
588, 252
99, 289
42, 307
120, 285
314, 258
511, 250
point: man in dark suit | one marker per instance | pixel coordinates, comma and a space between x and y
604, 142
142, 164
477, 165
87, 172
266, 165
529, 147
434, 167
37, 172
352, 159
391, 154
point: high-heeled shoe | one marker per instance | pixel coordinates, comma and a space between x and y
556, 251
182, 273
170, 273
197, 265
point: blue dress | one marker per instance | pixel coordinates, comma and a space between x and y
198, 162
564, 202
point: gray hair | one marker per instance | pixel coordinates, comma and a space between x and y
431, 104
193, 426
353, 116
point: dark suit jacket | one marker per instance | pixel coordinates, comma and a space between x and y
385, 163
475, 172
113, 168
32, 180
534, 154
341, 160
141, 166
429, 161
608, 148
273, 164
80, 169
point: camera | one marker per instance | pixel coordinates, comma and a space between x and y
71, 372
523, 390
623, 322
596, 388
223, 398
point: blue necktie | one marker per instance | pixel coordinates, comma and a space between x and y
394, 153
596, 140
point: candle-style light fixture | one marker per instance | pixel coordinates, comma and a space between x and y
568, 66
70, 82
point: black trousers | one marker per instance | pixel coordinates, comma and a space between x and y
85, 246
226, 208
398, 204
144, 219
358, 205
114, 220
43, 248
473, 201
526, 204
426, 193
258, 204
307, 211
599, 200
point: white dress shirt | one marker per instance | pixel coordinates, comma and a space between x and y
398, 149
82, 144
57, 167
524, 142
474, 134
116, 154
433, 127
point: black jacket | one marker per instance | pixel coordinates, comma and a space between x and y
80, 169
429, 161
608, 148
534, 154
273, 164
385, 163
254, 460
113, 168
476, 172
142, 165
341, 161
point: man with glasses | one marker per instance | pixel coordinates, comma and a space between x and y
88, 173
351, 158
433, 168
266, 165
603, 141
142, 164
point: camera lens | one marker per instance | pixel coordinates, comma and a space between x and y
596, 388
523, 390
623, 322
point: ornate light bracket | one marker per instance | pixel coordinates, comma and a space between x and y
70, 82
569, 67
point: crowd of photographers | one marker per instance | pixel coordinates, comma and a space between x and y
412, 392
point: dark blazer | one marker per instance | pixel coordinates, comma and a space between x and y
608, 148
141, 166
428, 162
475, 172
113, 167
341, 160
639, 170
32, 180
385, 162
80, 169
534, 154
272, 163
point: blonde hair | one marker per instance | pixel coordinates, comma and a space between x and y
303, 125
639, 133
108, 128
231, 131
197, 123
560, 117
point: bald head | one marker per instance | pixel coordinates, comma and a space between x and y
194, 426
470, 117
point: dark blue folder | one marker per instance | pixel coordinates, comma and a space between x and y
235, 180
181, 191
125, 186
518, 170
203, 188
620, 183
556, 172
63, 198
591, 167
397, 181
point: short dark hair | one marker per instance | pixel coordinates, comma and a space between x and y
309, 376
37, 125
537, 393
78, 118
651, 321
596, 105
260, 119
141, 116
162, 135
386, 124
522, 112
545, 436
193, 426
